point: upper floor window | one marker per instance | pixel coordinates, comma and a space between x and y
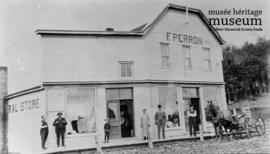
187, 57
126, 68
165, 57
207, 59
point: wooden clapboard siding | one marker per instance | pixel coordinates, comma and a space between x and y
96, 58
174, 22
83, 58
56, 101
24, 125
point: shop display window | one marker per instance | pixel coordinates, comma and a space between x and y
80, 110
168, 100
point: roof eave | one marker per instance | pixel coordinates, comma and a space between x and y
95, 33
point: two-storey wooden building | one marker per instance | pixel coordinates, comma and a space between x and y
90, 75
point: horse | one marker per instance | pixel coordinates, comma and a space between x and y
223, 119
214, 116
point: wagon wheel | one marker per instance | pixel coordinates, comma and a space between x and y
260, 126
246, 128
237, 132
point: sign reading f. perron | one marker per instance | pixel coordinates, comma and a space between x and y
184, 38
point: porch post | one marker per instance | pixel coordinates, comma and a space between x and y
203, 119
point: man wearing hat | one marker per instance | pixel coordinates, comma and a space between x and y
60, 128
160, 119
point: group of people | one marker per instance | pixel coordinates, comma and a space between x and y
60, 129
160, 121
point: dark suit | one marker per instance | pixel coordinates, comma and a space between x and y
60, 129
160, 119
107, 129
44, 131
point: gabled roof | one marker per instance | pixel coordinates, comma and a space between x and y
141, 30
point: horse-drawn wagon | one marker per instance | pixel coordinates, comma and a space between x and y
242, 123
251, 124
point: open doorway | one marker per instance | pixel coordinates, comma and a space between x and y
191, 97
126, 114
196, 103
120, 112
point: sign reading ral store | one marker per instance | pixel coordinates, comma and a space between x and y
27, 105
183, 38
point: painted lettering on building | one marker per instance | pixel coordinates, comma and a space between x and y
183, 38
24, 106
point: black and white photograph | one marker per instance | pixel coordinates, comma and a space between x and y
134, 76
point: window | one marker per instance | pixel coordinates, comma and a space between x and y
207, 59
187, 57
165, 54
168, 100
126, 68
80, 110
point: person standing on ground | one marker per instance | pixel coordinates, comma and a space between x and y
145, 124
60, 128
107, 129
160, 120
232, 110
44, 131
192, 115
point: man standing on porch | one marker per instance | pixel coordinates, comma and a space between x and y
192, 115
160, 119
145, 124
60, 128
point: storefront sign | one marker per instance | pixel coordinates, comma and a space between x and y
24, 106
183, 38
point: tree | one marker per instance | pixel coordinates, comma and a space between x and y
245, 69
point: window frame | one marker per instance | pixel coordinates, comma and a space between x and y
189, 58
165, 54
132, 69
207, 58
94, 105
179, 107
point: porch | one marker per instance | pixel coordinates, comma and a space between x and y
121, 142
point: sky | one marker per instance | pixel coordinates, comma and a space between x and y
20, 46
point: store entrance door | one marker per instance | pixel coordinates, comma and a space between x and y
191, 97
120, 112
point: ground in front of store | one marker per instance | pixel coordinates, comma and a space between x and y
254, 144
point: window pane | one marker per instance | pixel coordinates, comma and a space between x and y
126, 93
165, 61
168, 99
113, 111
187, 63
186, 51
123, 70
80, 110
207, 60
207, 65
164, 54
190, 92
164, 49
126, 69
113, 94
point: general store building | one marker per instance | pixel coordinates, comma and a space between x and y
174, 61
